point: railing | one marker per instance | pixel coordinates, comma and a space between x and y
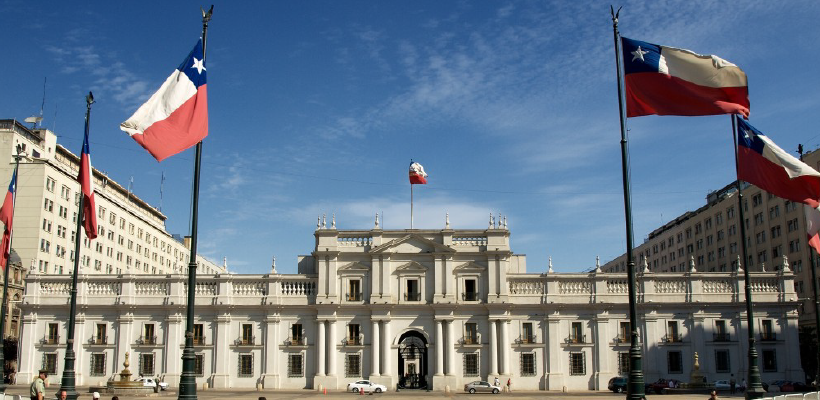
147, 340
295, 341
469, 241
470, 339
469, 296
768, 336
245, 341
527, 339
358, 241
199, 340
721, 337
354, 297
98, 340
576, 339
621, 339
353, 341
672, 338
50, 340
412, 296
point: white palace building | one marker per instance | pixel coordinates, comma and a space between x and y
411, 308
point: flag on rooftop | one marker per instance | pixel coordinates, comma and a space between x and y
764, 164
87, 186
670, 81
417, 174
7, 216
176, 116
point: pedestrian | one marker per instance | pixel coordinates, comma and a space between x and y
63, 395
743, 384
713, 395
509, 383
37, 390
95, 396
732, 386
496, 382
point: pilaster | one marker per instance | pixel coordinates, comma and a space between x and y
270, 374
221, 342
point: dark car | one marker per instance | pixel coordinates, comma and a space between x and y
660, 385
617, 384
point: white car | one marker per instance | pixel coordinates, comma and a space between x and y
151, 382
365, 386
722, 385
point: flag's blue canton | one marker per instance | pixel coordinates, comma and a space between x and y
85, 145
747, 136
13, 183
187, 66
632, 62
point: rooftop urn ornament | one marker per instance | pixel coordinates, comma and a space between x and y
597, 264
785, 264
692, 264
377, 221
324, 221
645, 264
333, 222
505, 222
447, 221
549, 266
739, 266
491, 221
318, 222
763, 267
273, 266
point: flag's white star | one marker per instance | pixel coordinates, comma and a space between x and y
198, 66
639, 54
747, 134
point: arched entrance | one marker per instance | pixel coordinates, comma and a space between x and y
412, 361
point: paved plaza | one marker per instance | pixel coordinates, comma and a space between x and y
249, 394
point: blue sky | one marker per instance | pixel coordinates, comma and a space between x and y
318, 106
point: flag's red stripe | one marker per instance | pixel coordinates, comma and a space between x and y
771, 177
417, 180
185, 127
6, 215
89, 208
814, 242
650, 93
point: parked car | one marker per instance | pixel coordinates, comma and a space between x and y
777, 386
660, 385
365, 386
722, 385
152, 382
481, 387
618, 384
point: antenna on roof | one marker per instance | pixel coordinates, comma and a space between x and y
43, 104
36, 120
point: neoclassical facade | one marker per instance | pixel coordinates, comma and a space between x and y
415, 308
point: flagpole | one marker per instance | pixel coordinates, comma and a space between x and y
411, 205
813, 266
755, 388
4, 310
187, 380
635, 386
68, 383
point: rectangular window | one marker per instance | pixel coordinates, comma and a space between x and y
354, 292
528, 364
98, 364
295, 367
50, 363
147, 364
100, 335
769, 361
624, 334
577, 364
247, 334
296, 334
199, 334
199, 365
353, 365
412, 293
767, 330
53, 334
470, 364
576, 334
470, 333
527, 333
149, 335
722, 361
674, 362
672, 333
354, 334
721, 335
245, 365
470, 290
623, 363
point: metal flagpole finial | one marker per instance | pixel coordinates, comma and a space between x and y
89, 99
206, 15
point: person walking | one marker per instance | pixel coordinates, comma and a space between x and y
713, 395
509, 383
732, 386
496, 382
37, 390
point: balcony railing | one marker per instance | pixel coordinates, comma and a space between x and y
412, 296
470, 339
354, 297
50, 340
469, 296
768, 336
672, 338
527, 339
98, 340
577, 339
722, 337
620, 339
245, 341
199, 340
295, 341
354, 340
147, 340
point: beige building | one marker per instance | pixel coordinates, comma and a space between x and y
131, 233
709, 238
14, 295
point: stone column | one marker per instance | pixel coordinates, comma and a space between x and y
439, 349
320, 348
270, 353
121, 338
505, 349
374, 348
221, 342
172, 341
386, 340
331, 349
451, 348
554, 337
493, 349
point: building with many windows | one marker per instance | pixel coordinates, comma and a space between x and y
131, 233
416, 309
709, 237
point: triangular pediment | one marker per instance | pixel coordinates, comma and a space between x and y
412, 266
412, 244
469, 267
354, 266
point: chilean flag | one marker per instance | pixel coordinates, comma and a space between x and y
7, 215
417, 174
813, 226
762, 163
176, 116
669, 81
87, 187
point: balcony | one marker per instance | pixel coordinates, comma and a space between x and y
672, 338
412, 296
52, 340
527, 339
199, 340
245, 341
296, 341
147, 340
353, 297
577, 339
353, 341
768, 336
98, 340
622, 339
469, 296
721, 337
470, 340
